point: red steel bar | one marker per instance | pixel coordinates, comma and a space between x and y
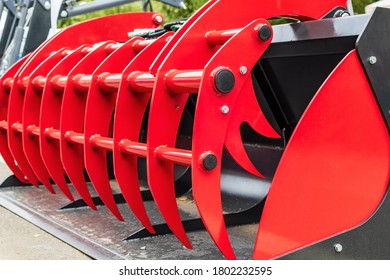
110, 48
133, 148
3, 125
109, 82
23, 82
74, 137
17, 127
39, 83
98, 141
33, 130
215, 38
58, 83
81, 82
179, 156
52, 133
179, 81
7, 84
141, 82
139, 45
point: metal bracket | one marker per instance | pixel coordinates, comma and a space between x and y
12, 181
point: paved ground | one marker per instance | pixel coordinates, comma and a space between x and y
21, 240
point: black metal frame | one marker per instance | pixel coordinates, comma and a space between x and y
373, 50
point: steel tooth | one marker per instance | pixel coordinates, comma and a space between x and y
347, 180
129, 113
50, 121
31, 119
98, 118
72, 120
6, 82
247, 110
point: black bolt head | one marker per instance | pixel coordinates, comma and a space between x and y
265, 32
210, 162
224, 81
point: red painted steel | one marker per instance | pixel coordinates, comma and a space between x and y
71, 37
141, 82
71, 122
50, 120
183, 81
15, 130
102, 92
348, 163
215, 38
74, 137
31, 117
206, 184
178, 156
129, 113
98, 120
166, 109
6, 83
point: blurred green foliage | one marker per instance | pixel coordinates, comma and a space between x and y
171, 13
358, 5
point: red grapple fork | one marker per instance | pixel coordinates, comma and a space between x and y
168, 101
74, 36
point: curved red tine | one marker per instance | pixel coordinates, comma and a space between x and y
129, 112
31, 119
15, 129
98, 118
50, 120
348, 162
219, 107
246, 109
72, 118
6, 83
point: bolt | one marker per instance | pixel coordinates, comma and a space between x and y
243, 70
224, 81
341, 13
338, 248
64, 14
47, 5
25, 178
158, 19
225, 109
372, 59
265, 32
209, 161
